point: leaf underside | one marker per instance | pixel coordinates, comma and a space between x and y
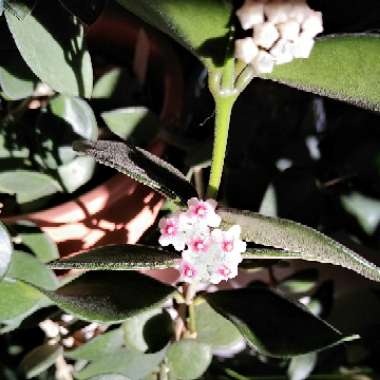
295, 241
119, 257
141, 166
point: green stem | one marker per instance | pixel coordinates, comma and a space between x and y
223, 108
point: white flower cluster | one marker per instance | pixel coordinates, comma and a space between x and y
209, 254
282, 30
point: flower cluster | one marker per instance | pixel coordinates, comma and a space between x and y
282, 30
209, 254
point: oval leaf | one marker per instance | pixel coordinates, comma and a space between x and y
27, 268
202, 26
6, 250
343, 67
119, 257
96, 348
110, 297
140, 165
295, 241
255, 312
40, 359
188, 359
39, 185
129, 363
51, 45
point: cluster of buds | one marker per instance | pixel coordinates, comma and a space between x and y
209, 254
282, 30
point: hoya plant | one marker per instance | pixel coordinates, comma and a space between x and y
141, 325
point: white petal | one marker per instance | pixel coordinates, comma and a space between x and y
212, 202
250, 14
214, 220
164, 240
302, 47
263, 63
277, 11
289, 30
265, 35
217, 235
235, 231
192, 201
282, 51
299, 11
312, 25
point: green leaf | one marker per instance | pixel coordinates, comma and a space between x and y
202, 26
140, 165
343, 67
365, 209
119, 257
300, 367
6, 250
16, 79
110, 296
188, 359
294, 241
148, 331
40, 359
129, 363
300, 282
136, 124
39, 185
39, 243
274, 325
51, 45
76, 173
109, 377
18, 300
213, 329
27, 268
20, 8
98, 347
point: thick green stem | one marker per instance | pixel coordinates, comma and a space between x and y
223, 108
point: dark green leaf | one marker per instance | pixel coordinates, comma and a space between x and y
27, 268
6, 250
140, 165
213, 329
39, 185
18, 300
16, 79
273, 324
19, 8
98, 347
136, 124
294, 241
40, 359
51, 45
342, 67
119, 257
39, 243
86, 10
188, 359
110, 296
202, 26
133, 364
148, 331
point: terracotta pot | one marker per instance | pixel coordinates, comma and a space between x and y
119, 210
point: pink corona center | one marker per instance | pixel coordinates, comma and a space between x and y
200, 210
227, 246
170, 228
224, 271
189, 271
198, 245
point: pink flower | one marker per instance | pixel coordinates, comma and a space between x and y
223, 273
203, 211
172, 233
229, 242
188, 271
